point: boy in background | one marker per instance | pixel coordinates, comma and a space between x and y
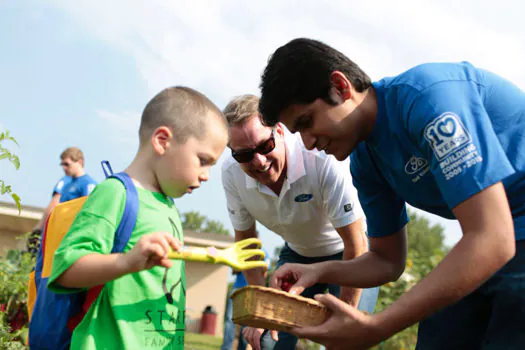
74, 184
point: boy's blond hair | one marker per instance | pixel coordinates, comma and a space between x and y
241, 108
73, 153
184, 110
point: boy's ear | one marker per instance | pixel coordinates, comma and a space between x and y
341, 87
161, 139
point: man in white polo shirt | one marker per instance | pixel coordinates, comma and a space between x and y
306, 197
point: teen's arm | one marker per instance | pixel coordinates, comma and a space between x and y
384, 262
488, 242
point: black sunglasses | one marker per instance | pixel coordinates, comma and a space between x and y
246, 156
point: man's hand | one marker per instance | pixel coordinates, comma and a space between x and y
151, 250
253, 336
295, 278
345, 328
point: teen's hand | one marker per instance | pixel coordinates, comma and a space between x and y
295, 278
253, 336
151, 250
345, 328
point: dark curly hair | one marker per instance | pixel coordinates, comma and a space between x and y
299, 73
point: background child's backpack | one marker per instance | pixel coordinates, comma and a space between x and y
53, 317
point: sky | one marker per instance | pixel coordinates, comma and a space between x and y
78, 73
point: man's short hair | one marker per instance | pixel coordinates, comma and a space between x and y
299, 73
241, 108
184, 110
73, 153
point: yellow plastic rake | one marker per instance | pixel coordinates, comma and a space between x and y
236, 255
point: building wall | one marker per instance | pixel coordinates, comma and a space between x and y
10, 240
13, 226
207, 284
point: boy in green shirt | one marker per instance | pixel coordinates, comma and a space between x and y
182, 134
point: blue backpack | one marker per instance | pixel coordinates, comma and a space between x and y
53, 317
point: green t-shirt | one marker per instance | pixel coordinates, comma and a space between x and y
143, 310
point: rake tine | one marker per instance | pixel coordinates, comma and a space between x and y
253, 264
249, 242
247, 254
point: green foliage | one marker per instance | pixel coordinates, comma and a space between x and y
13, 159
214, 226
425, 250
194, 221
194, 341
423, 238
11, 340
15, 267
305, 344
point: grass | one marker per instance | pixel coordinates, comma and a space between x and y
195, 341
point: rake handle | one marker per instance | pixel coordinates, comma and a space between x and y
195, 254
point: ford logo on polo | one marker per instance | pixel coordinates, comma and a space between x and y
304, 197
415, 164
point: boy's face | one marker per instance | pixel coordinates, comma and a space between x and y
265, 167
71, 168
333, 129
183, 167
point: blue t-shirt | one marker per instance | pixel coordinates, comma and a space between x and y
77, 187
60, 184
443, 133
240, 281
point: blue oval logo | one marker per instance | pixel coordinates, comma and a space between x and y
304, 197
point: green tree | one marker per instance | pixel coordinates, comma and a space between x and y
214, 226
194, 221
13, 158
426, 248
424, 238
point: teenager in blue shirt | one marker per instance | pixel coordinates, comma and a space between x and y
74, 184
81, 184
447, 138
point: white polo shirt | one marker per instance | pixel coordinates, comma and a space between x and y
317, 195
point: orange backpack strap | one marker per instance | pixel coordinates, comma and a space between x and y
58, 223
56, 315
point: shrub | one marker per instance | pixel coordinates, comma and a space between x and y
15, 267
